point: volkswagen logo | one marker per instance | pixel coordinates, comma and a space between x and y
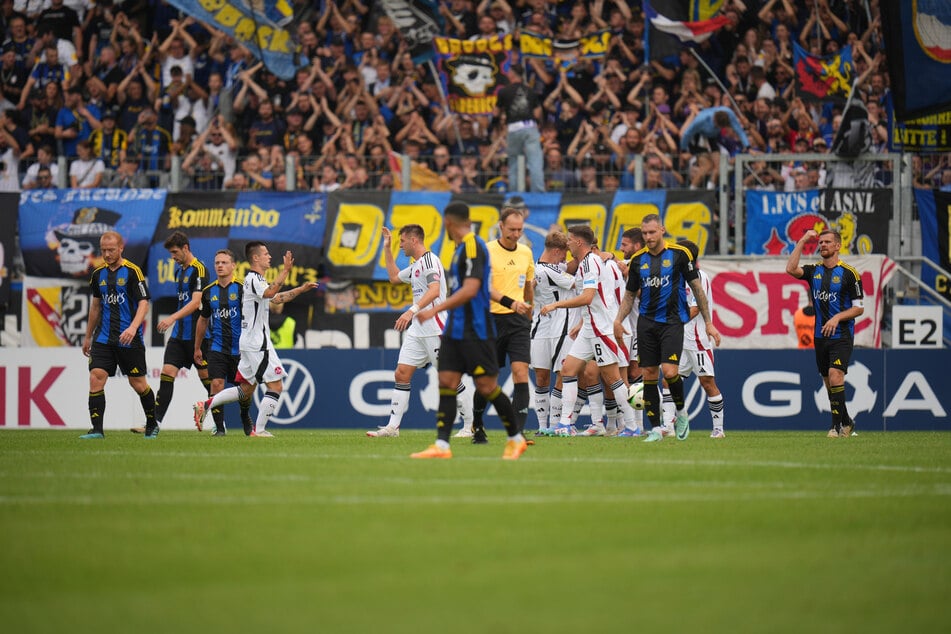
298, 397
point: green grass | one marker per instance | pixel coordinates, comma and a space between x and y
329, 531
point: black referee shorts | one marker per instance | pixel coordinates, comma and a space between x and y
513, 338
658, 342
833, 353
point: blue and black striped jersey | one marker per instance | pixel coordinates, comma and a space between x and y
119, 292
833, 290
472, 320
221, 305
190, 279
662, 281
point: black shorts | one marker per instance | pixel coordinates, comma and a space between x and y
104, 356
181, 353
467, 356
221, 365
513, 337
658, 342
833, 353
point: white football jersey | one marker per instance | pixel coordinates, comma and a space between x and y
695, 330
552, 284
255, 333
599, 315
420, 274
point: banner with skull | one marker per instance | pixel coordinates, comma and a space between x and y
473, 71
60, 228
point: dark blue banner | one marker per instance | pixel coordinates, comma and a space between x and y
258, 26
226, 220
762, 390
60, 228
776, 220
918, 36
418, 21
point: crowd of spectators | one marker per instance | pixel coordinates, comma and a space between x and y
119, 87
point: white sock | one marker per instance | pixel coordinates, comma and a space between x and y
542, 402
464, 405
610, 414
715, 404
228, 395
596, 404
668, 408
627, 412
579, 401
442, 444
569, 394
554, 408
268, 407
398, 404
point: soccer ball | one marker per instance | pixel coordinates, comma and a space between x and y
636, 395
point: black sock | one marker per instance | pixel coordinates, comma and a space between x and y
166, 388
676, 391
447, 413
207, 383
97, 409
245, 405
503, 407
837, 405
520, 400
147, 398
478, 409
218, 415
652, 403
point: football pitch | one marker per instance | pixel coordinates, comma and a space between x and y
329, 531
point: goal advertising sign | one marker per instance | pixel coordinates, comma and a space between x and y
351, 389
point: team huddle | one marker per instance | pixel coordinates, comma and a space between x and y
619, 335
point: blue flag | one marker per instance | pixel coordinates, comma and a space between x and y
259, 25
918, 35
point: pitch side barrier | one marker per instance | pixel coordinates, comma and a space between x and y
893, 390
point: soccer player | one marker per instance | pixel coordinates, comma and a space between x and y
659, 274
594, 340
837, 297
259, 362
468, 341
190, 278
421, 342
513, 267
697, 356
220, 316
550, 340
632, 241
114, 333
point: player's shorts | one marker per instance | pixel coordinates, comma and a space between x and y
604, 350
108, 357
833, 353
180, 353
419, 352
472, 357
548, 353
513, 337
221, 365
699, 362
259, 366
658, 342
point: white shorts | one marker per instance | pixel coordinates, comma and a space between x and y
260, 366
699, 362
604, 350
549, 353
419, 352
